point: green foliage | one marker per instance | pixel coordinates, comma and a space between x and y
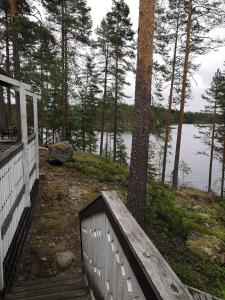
170, 218
95, 166
121, 154
160, 203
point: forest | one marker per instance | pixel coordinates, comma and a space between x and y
82, 74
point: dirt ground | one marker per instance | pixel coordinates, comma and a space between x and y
55, 222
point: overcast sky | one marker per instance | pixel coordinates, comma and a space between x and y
209, 63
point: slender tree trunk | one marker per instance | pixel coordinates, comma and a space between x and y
115, 129
137, 187
16, 63
63, 104
170, 100
41, 104
183, 97
106, 145
9, 113
223, 171
104, 100
2, 110
212, 148
68, 136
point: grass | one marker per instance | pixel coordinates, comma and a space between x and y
94, 166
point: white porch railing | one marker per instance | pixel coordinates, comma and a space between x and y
14, 193
19, 169
119, 260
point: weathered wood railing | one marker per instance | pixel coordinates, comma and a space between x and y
119, 260
18, 173
199, 295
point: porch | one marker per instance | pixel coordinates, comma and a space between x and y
19, 173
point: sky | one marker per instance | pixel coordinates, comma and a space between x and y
209, 63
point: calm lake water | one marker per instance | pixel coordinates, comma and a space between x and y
190, 147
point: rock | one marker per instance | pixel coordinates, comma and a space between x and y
60, 153
208, 251
207, 246
52, 245
75, 192
42, 176
43, 259
65, 260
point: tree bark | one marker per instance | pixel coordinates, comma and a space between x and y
16, 63
115, 129
68, 135
183, 97
170, 100
9, 110
212, 148
104, 100
137, 186
223, 172
63, 106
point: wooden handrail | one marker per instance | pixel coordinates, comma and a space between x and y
31, 138
153, 274
7, 155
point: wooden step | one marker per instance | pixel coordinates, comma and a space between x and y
48, 279
58, 288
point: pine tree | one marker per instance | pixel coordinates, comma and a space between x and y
137, 186
220, 132
212, 96
121, 37
202, 17
89, 99
73, 18
105, 59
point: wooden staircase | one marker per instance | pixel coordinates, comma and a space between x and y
58, 288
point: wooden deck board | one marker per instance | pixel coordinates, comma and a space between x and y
44, 280
58, 288
34, 287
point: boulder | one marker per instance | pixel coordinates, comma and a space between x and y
60, 153
65, 260
207, 246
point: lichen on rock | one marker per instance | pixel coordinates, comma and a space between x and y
206, 246
60, 153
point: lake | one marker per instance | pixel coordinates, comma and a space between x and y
190, 147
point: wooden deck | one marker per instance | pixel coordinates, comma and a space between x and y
58, 288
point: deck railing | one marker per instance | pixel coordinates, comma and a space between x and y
18, 173
120, 262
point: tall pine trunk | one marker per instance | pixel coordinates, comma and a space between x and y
63, 104
223, 171
104, 100
212, 148
170, 100
16, 63
7, 25
137, 186
68, 135
183, 96
115, 129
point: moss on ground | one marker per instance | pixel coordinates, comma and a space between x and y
94, 166
172, 217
